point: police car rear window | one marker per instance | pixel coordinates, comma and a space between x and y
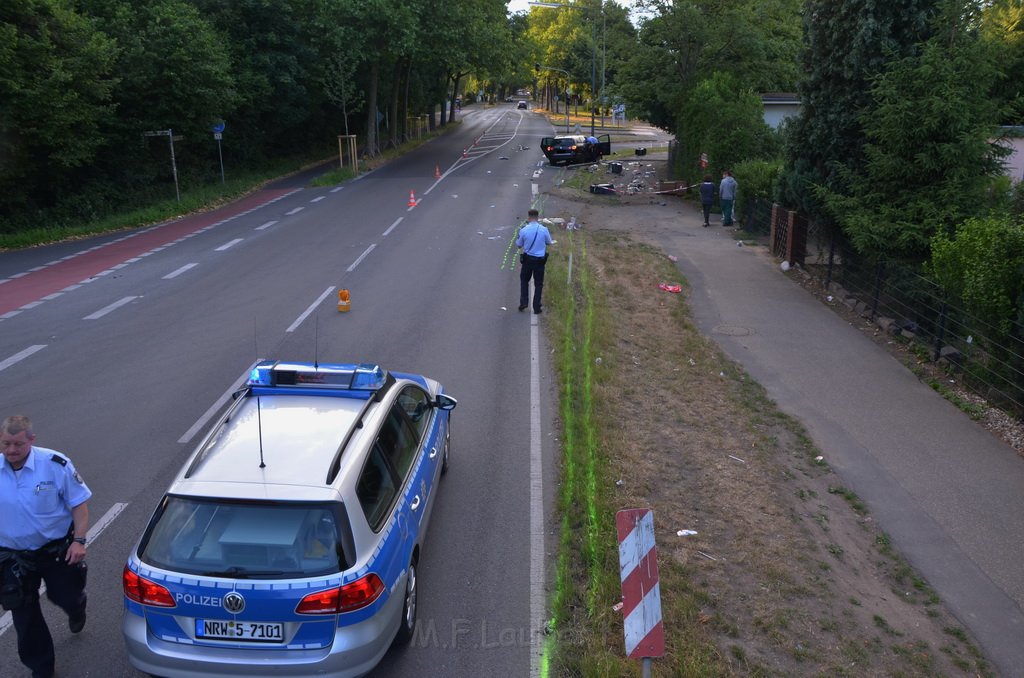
243, 540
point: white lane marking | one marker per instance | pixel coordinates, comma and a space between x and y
312, 307
11, 314
361, 257
537, 581
318, 198
228, 245
112, 307
392, 226
335, 190
294, 211
474, 153
6, 621
217, 404
266, 225
175, 274
534, 190
20, 355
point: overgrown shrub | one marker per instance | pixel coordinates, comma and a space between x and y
981, 267
756, 179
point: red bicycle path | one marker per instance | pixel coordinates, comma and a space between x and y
15, 293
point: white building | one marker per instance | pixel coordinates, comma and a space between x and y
778, 106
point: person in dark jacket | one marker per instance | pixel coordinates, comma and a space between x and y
707, 197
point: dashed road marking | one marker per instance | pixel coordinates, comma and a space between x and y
175, 274
228, 245
20, 355
112, 307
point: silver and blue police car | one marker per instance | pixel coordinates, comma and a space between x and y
288, 543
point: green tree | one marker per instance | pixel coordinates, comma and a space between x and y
754, 42
56, 77
846, 45
725, 122
273, 70
1002, 24
929, 161
982, 265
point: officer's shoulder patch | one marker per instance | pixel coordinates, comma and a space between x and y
79, 478
57, 459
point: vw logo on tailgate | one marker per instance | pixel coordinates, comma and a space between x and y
234, 602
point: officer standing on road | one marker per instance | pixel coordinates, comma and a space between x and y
534, 239
42, 538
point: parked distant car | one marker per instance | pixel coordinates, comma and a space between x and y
575, 149
522, 105
509, 100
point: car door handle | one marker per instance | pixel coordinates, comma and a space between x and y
415, 503
433, 452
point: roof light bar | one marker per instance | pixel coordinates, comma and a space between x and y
348, 376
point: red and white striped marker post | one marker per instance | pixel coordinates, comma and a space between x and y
641, 594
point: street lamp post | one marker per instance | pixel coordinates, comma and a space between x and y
593, 53
538, 67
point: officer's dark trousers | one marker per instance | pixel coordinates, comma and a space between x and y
65, 587
533, 267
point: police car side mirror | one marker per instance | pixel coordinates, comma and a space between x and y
445, 402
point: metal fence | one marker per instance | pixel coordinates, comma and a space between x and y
756, 216
989, 359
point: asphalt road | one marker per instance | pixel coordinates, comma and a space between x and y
123, 347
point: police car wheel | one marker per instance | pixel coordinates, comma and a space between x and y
409, 608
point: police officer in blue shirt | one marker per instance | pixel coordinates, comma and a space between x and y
534, 239
42, 538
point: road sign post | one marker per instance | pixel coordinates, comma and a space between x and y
218, 133
641, 593
174, 165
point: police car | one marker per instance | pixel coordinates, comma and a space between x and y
288, 543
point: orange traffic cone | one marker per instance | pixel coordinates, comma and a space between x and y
437, 171
344, 302
412, 199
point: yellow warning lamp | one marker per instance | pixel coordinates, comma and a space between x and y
344, 302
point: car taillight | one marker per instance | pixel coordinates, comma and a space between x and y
551, 148
347, 598
144, 591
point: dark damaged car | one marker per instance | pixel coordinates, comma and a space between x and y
575, 149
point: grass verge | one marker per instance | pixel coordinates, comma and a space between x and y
586, 637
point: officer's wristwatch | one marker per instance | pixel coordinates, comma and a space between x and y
80, 540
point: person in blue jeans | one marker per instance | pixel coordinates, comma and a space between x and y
707, 197
727, 196
534, 239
